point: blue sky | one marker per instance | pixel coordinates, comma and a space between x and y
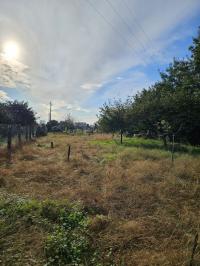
80, 53
143, 76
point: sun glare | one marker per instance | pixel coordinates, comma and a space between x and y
11, 50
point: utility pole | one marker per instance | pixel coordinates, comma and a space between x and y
50, 105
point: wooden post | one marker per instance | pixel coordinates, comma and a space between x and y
9, 139
121, 136
26, 133
9, 142
194, 248
19, 135
52, 144
29, 132
68, 152
164, 141
173, 149
33, 131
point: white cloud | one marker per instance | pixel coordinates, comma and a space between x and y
13, 74
3, 96
91, 86
68, 51
127, 86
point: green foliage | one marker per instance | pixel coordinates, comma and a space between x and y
67, 124
170, 107
41, 130
64, 225
66, 248
4, 115
14, 112
51, 124
113, 117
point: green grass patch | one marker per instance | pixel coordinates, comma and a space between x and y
134, 154
147, 144
62, 226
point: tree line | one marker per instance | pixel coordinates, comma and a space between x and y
169, 108
15, 117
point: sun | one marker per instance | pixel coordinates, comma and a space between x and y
11, 50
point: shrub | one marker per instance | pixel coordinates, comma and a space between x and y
41, 130
63, 248
63, 226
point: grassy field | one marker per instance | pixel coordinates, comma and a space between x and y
111, 204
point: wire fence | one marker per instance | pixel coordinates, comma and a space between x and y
15, 135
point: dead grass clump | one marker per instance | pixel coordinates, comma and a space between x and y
132, 227
28, 157
99, 223
2, 182
92, 202
187, 168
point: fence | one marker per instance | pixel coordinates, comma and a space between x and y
15, 135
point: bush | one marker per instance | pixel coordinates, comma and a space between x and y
63, 248
41, 130
63, 228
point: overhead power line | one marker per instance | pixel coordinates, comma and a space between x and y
112, 26
136, 22
125, 23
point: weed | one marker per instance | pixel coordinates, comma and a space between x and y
64, 228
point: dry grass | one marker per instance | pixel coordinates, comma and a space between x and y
143, 211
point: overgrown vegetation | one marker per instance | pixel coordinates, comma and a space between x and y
60, 229
136, 208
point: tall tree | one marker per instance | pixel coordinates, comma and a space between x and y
112, 118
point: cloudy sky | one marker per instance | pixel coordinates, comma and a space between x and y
80, 53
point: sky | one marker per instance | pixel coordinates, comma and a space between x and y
78, 54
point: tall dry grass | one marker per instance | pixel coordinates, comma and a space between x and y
143, 211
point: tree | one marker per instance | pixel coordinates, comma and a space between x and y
68, 124
5, 117
112, 118
21, 115
41, 130
195, 50
51, 124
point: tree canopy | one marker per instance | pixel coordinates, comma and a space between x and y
112, 117
170, 107
15, 112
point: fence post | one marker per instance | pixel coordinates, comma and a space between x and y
68, 152
9, 139
29, 132
9, 142
173, 149
121, 136
33, 131
52, 144
26, 132
194, 248
19, 135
